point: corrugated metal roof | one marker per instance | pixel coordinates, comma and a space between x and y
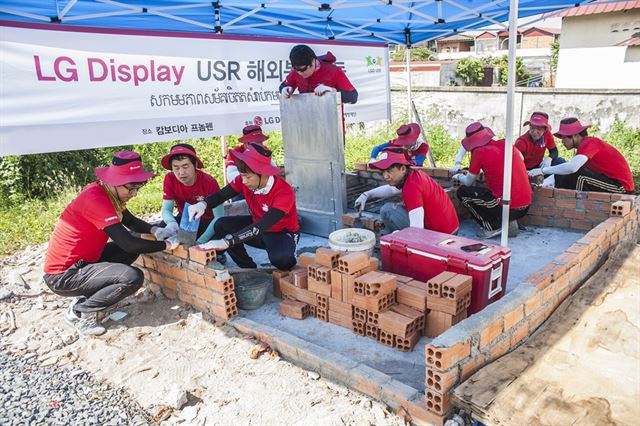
457, 37
600, 7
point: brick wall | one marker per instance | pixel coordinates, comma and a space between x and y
184, 275
455, 355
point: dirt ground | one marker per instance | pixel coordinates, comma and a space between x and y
162, 348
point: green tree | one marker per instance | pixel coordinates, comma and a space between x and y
470, 70
417, 54
521, 71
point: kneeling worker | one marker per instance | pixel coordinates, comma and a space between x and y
81, 263
597, 166
273, 223
414, 149
426, 204
485, 204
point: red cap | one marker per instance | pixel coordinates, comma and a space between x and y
126, 167
539, 119
407, 134
252, 134
258, 158
570, 126
387, 158
476, 135
180, 150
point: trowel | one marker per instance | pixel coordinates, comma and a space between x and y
188, 231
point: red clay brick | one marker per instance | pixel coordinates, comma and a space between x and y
201, 256
581, 224
519, 334
471, 366
568, 204
564, 193
306, 259
513, 317
599, 196
444, 358
574, 214
490, 333
544, 192
500, 348
441, 381
436, 402
533, 304
536, 319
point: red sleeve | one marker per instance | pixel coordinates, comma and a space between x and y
342, 82
521, 144
589, 148
237, 185
291, 79
412, 197
423, 149
476, 162
549, 140
284, 198
101, 212
167, 188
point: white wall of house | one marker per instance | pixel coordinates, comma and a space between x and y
601, 30
598, 68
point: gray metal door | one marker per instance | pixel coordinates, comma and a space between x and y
314, 159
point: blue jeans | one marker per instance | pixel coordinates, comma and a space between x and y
395, 217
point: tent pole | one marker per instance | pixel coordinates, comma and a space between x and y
225, 152
407, 57
508, 144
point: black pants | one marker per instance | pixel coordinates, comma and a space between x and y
485, 208
103, 283
280, 246
586, 179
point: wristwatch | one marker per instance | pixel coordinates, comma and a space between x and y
229, 239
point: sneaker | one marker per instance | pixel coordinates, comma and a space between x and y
513, 228
87, 326
486, 234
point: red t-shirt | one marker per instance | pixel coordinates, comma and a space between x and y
180, 193
280, 196
490, 159
534, 152
327, 74
605, 159
420, 190
79, 233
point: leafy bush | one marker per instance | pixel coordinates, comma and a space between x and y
470, 70
521, 72
417, 54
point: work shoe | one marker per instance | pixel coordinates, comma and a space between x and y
486, 234
87, 326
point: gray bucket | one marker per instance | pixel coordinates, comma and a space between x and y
251, 288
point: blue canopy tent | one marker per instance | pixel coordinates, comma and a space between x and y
398, 22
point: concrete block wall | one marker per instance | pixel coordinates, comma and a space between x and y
183, 274
484, 337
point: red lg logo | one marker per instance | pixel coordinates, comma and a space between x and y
257, 120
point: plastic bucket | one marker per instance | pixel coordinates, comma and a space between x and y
251, 288
352, 239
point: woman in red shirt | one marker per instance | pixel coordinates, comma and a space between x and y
485, 204
80, 261
273, 222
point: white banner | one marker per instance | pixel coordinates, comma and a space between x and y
66, 90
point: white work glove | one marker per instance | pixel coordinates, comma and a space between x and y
457, 176
546, 162
456, 168
172, 242
321, 89
534, 172
361, 201
197, 210
161, 234
549, 182
172, 228
286, 92
214, 245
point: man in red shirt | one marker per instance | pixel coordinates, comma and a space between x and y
186, 183
250, 134
415, 150
485, 204
81, 263
273, 222
317, 75
426, 205
597, 166
536, 141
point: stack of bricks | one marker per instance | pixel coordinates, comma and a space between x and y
346, 289
185, 275
448, 297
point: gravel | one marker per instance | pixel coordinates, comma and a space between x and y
34, 395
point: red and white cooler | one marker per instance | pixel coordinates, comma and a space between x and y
423, 254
